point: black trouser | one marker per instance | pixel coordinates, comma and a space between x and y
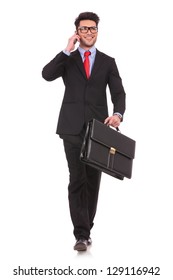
83, 187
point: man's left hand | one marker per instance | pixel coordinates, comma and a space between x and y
113, 121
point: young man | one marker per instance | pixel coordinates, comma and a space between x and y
84, 99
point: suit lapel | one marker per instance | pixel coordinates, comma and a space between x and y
78, 60
97, 63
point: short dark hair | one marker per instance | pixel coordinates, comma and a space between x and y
86, 15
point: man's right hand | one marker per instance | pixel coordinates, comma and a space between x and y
71, 42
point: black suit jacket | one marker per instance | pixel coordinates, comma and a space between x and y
84, 98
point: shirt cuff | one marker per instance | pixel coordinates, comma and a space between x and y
118, 114
66, 52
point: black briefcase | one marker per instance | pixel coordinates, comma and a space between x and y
108, 150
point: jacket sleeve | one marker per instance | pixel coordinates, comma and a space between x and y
118, 95
55, 68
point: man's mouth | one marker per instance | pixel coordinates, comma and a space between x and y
89, 37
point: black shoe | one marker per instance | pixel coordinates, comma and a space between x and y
81, 245
89, 241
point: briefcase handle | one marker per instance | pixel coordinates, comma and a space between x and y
115, 128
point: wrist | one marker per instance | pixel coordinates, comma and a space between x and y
67, 52
119, 115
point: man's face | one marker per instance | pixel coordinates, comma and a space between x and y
87, 37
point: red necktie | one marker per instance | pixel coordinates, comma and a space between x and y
87, 63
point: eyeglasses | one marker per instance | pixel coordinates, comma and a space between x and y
84, 29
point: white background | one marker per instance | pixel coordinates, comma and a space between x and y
133, 225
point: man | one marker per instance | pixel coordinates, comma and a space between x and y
84, 99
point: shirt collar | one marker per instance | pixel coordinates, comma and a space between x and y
92, 50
